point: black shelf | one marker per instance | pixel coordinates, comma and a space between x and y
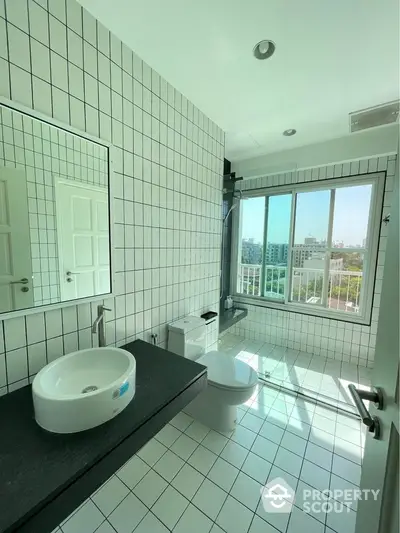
229, 317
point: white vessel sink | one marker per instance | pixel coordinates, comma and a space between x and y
83, 389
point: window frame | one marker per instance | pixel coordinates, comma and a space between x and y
370, 250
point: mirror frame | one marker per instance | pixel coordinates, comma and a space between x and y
15, 106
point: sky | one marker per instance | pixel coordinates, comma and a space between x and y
312, 211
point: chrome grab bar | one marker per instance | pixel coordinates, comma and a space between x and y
24, 281
375, 396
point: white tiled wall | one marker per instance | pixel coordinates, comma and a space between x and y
56, 58
326, 337
44, 153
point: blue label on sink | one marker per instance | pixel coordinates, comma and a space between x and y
121, 391
123, 388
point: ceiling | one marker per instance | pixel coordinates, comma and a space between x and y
331, 58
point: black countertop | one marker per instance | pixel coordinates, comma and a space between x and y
45, 476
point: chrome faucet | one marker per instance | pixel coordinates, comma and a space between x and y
98, 325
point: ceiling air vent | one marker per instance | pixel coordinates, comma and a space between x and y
380, 115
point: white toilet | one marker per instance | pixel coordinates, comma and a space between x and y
230, 382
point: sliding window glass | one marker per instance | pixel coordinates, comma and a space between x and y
309, 251
251, 244
275, 273
264, 241
312, 246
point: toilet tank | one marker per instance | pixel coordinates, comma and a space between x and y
187, 337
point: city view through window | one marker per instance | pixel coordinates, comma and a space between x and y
327, 256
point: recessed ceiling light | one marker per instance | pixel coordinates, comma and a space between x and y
264, 49
289, 132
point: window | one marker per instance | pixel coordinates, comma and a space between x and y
312, 247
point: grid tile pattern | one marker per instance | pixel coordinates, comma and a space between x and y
319, 377
45, 152
191, 478
168, 164
331, 338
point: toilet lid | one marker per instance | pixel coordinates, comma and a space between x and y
225, 371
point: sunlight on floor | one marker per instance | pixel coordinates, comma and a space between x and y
325, 379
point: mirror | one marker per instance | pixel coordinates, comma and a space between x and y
54, 214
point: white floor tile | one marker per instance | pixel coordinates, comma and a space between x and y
151, 452
346, 469
349, 434
193, 520
315, 476
303, 411
277, 520
181, 421
274, 426
304, 501
184, 446
168, 435
342, 522
252, 422
149, 489
127, 515
133, 471
265, 449
322, 438
300, 521
216, 529
105, 528
244, 436
351, 422
293, 443
288, 461
321, 422
256, 467
197, 431
319, 456
223, 474
234, 454
283, 407
87, 519
247, 491
259, 525
278, 418
277, 472
151, 523
170, 507
187, 481
215, 442
326, 413
348, 451
267, 396
259, 409
271, 432
338, 483
169, 465
210, 499
110, 495
202, 459
301, 429
234, 517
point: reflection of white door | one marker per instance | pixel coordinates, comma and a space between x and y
380, 468
15, 248
83, 239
